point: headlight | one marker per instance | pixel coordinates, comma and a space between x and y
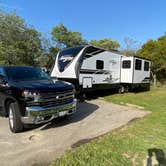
28, 94
68, 83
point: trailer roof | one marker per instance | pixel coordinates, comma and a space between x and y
93, 50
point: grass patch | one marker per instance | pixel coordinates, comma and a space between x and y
127, 146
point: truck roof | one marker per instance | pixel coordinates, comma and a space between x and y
13, 66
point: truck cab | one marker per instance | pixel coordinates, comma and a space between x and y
28, 95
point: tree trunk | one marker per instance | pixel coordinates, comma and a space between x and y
155, 80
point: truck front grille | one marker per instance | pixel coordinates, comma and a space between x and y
49, 99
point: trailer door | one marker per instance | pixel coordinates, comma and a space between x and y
127, 70
114, 65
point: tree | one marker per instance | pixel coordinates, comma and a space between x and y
51, 57
131, 47
105, 43
19, 44
64, 37
155, 50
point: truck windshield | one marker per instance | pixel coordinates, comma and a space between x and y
26, 74
66, 56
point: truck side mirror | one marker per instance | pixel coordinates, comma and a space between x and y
2, 79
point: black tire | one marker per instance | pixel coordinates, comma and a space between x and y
121, 89
15, 122
126, 89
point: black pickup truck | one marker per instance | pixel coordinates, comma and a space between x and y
29, 96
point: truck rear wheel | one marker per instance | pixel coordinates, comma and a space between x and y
15, 122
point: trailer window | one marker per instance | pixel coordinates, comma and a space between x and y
146, 66
99, 64
126, 64
138, 64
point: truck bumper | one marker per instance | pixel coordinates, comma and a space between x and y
38, 115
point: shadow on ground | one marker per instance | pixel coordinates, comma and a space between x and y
84, 109
160, 157
102, 93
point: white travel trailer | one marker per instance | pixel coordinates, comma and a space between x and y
92, 68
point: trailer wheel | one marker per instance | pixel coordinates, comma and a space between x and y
82, 97
15, 122
121, 89
127, 89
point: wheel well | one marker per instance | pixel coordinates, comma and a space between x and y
7, 101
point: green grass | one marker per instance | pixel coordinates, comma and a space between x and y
129, 145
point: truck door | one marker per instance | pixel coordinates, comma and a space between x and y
4, 90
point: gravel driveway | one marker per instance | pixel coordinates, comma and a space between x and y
45, 143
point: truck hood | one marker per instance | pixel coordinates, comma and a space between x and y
48, 86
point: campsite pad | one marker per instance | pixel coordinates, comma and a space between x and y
47, 142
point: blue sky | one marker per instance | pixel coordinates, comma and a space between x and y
140, 20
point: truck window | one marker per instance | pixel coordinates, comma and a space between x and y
2, 71
126, 64
99, 64
146, 66
26, 74
138, 64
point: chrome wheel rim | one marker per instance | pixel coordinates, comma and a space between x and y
11, 117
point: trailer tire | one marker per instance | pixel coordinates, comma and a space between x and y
121, 89
127, 89
15, 122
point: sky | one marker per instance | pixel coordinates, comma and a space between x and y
139, 20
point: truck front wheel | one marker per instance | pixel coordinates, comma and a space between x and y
15, 122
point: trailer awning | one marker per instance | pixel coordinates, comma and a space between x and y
92, 51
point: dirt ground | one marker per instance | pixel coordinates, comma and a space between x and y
47, 142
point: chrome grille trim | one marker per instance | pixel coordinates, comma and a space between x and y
48, 99
48, 95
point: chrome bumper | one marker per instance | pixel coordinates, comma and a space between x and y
37, 115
